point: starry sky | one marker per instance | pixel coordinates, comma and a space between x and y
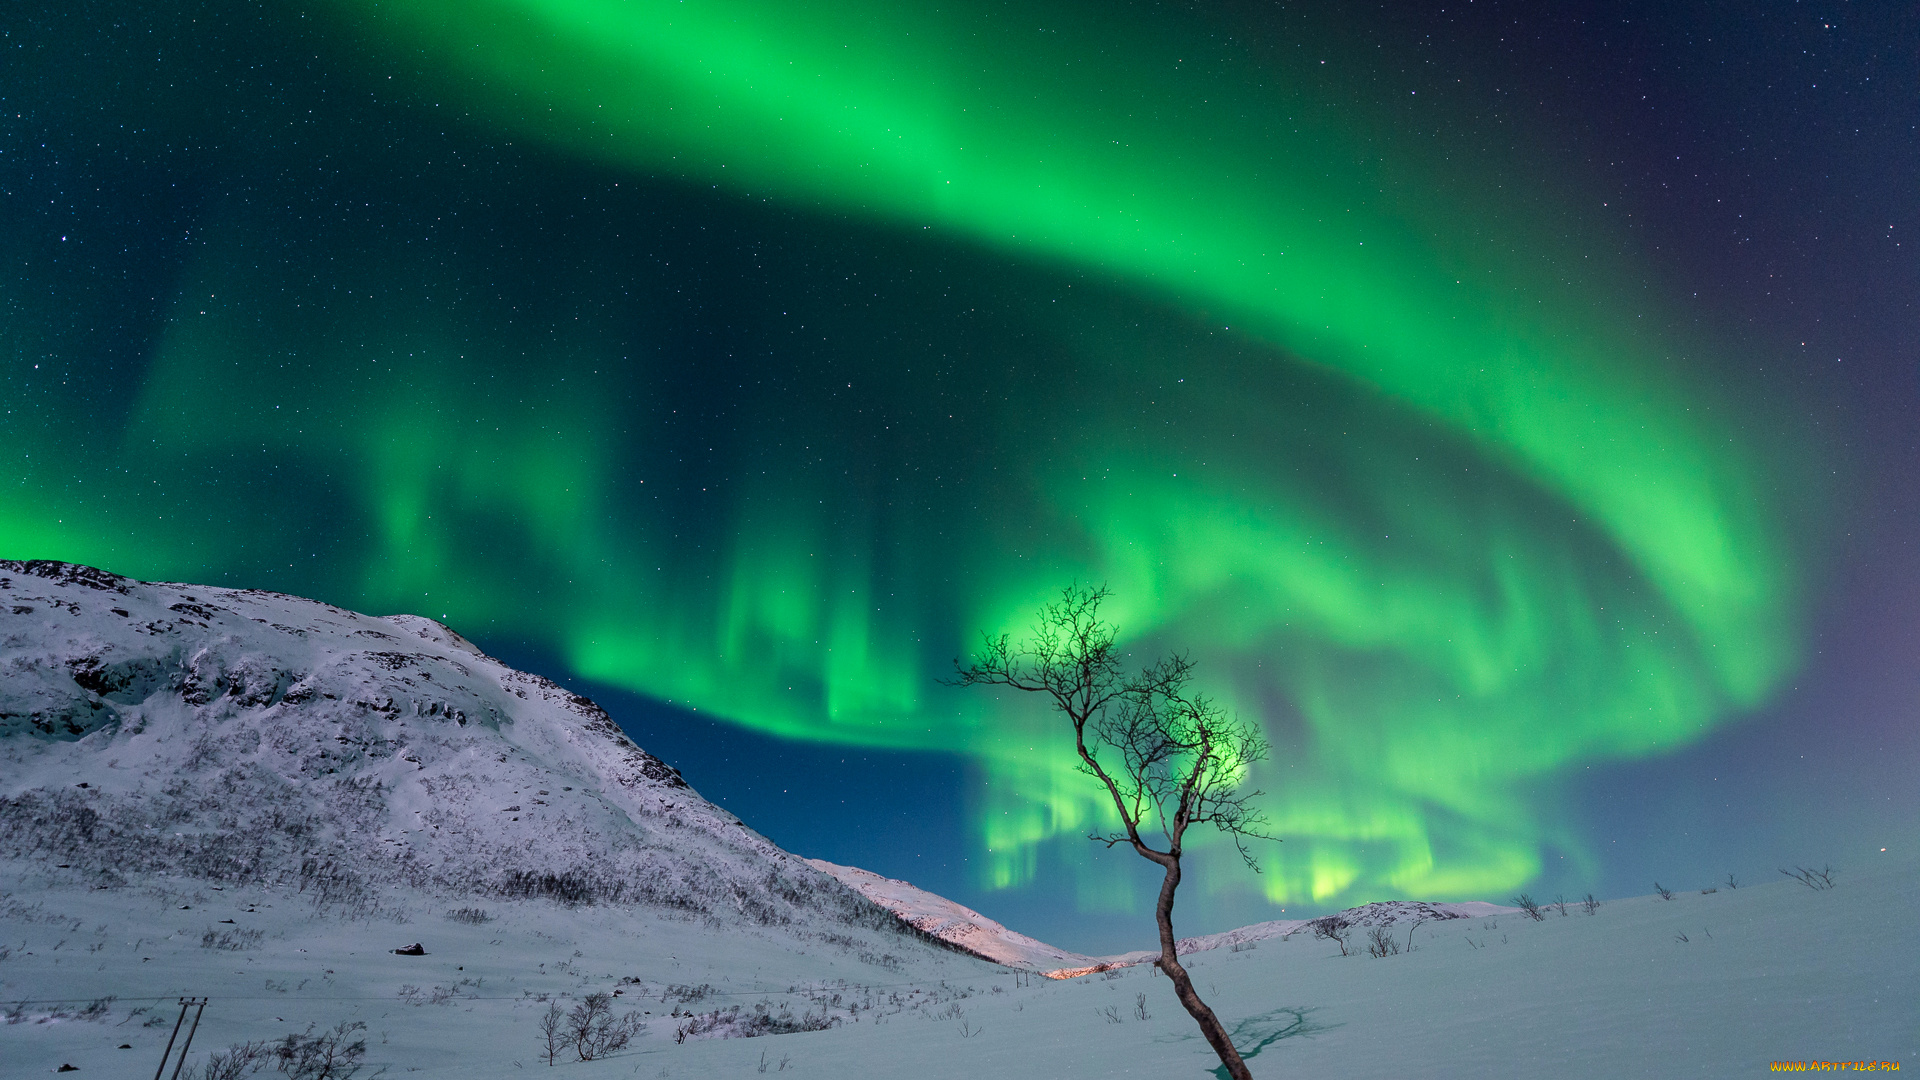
1512, 410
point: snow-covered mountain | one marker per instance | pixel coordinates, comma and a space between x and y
254, 737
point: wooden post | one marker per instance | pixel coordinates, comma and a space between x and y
176, 1034
188, 1045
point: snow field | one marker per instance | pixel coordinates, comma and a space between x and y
1773, 971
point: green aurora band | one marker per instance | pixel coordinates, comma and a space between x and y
1422, 484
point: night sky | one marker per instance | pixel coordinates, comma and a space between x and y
1512, 407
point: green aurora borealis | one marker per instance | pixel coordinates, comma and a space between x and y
1394, 437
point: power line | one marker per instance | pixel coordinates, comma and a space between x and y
295, 995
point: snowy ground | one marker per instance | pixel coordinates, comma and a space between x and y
1773, 971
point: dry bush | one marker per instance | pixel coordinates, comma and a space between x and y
1817, 880
593, 1030
326, 1056
237, 1061
1331, 929
235, 940
736, 1023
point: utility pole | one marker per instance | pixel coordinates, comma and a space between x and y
185, 1003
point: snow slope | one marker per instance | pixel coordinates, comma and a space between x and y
956, 923
1381, 913
1715, 985
968, 929
249, 737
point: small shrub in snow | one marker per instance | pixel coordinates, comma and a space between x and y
326, 1056
831, 938
1528, 905
1331, 929
687, 994
881, 960
736, 1023
1590, 904
234, 940
439, 995
1380, 942
96, 1009
1816, 880
1732, 882
471, 915
1665, 893
237, 1061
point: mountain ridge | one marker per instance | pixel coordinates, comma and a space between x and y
248, 735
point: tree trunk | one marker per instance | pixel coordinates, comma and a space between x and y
1169, 962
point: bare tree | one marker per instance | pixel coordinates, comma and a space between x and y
586, 1016
1167, 757
553, 1031
594, 1031
1529, 905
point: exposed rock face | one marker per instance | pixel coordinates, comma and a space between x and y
251, 735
